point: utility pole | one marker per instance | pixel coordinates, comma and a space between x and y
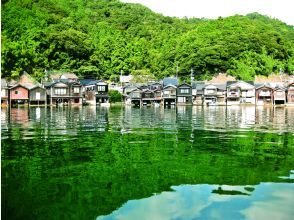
192, 73
121, 78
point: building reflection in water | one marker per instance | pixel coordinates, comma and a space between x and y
125, 119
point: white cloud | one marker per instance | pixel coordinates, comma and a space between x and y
281, 9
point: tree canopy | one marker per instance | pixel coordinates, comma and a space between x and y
99, 38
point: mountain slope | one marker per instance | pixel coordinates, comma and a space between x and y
101, 38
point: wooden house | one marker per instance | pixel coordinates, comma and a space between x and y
4, 92
184, 94
89, 88
71, 77
279, 96
102, 93
157, 95
169, 95
18, 94
214, 94
240, 92
209, 94
147, 97
65, 92
290, 93
155, 86
197, 92
37, 95
264, 94
135, 97
221, 94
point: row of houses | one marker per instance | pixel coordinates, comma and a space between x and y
66, 89
170, 92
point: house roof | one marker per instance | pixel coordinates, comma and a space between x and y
154, 83
221, 86
184, 84
55, 75
235, 83
64, 81
18, 85
102, 83
68, 76
88, 82
170, 81
197, 83
169, 86
264, 85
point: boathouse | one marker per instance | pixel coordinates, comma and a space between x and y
264, 94
18, 94
184, 94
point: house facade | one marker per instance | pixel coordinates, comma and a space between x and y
37, 95
197, 92
209, 94
240, 92
18, 94
89, 87
4, 92
102, 93
65, 92
184, 94
264, 95
290, 93
279, 96
169, 95
135, 97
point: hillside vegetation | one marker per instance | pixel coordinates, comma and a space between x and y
100, 38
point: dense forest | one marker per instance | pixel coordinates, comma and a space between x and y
101, 38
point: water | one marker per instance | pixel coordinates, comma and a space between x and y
148, 163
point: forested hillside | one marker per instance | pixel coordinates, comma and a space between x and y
99, 38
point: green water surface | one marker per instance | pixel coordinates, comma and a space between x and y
147, 163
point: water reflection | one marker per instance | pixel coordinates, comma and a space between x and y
83, 162
267, 201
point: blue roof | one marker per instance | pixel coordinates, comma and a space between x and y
170, 81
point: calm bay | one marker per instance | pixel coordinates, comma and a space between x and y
187, 162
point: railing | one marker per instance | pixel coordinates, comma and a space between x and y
264, 93
233, 94
210, 92
135, 96
169, 96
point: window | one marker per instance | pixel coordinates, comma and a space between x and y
16, 92
186, 91
38, 95
60, 91
101, 88
166, 92
76, 90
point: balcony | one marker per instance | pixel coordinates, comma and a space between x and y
264, 93
233, 94
210, 92
172, 96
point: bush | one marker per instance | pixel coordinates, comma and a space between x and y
114, 96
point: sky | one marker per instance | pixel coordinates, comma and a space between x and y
280, 9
